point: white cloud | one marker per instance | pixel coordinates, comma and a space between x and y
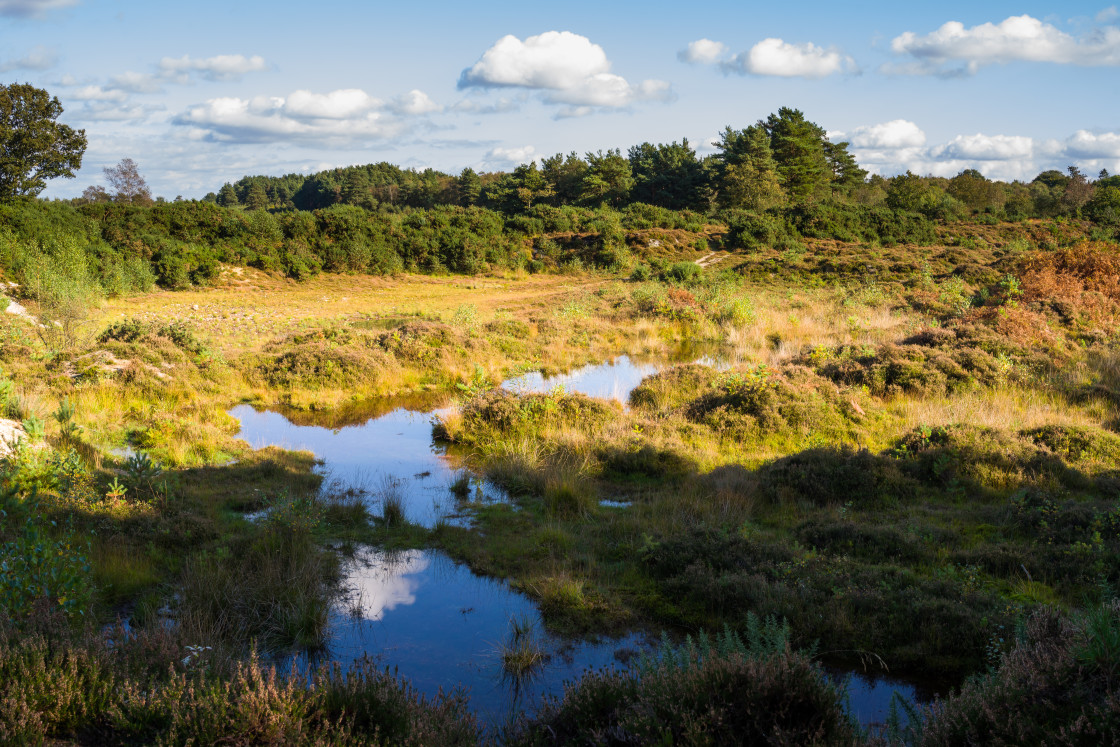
554, 59
110, 110
136, 82
337, 118
1108, 14
569, 67
32, 8
955, 50
779, 58
345, 103
1085, 144
510, 156
39, 58
97, 93
893, 135
182, 70
220, 67
414, 103
986, 148
900, 145
703, 51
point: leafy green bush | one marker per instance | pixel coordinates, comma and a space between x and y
683, 272
37, 568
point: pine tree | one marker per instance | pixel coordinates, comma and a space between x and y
799, 150
355, 187
846, 173
608, 178
257, 199
747, 176
227, 196
469, 186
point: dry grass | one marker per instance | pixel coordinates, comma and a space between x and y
1005, 407
248, 308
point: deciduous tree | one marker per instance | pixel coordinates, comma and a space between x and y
127, 184
34, 147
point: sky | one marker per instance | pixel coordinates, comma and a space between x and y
202, 93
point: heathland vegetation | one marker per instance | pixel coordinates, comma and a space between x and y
901, 446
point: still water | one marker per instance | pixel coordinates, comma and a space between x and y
443, 627
434, 620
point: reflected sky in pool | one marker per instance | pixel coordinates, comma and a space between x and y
442, 626
431, 618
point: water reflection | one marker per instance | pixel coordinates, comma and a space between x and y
441, 626
869, 697
381, 582
434, 620
394, 443
612, 380
395, 449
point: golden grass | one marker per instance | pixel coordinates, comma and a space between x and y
248, 308
1006, 407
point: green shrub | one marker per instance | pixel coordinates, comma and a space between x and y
832, 477
37, 568
683, 272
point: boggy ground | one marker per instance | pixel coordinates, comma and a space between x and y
905, 499
902, 464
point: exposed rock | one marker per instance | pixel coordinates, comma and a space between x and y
18, 310
11, 432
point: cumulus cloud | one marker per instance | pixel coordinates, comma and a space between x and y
772, 57
779, 58
986, 148
32, 8
569, 68
97, 93
900, 145
335, 118
1108, 14
39, 58
414, 103
346, 103
703, 51
955, 50
893, 135
1085, 144
554, 59
501, 156
220, 67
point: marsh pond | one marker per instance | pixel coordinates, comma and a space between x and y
431, 619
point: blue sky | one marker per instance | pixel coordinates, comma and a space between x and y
205, 92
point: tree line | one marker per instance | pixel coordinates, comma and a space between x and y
784, 160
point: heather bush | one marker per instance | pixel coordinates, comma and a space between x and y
728, 691
1056, 685
138, 687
